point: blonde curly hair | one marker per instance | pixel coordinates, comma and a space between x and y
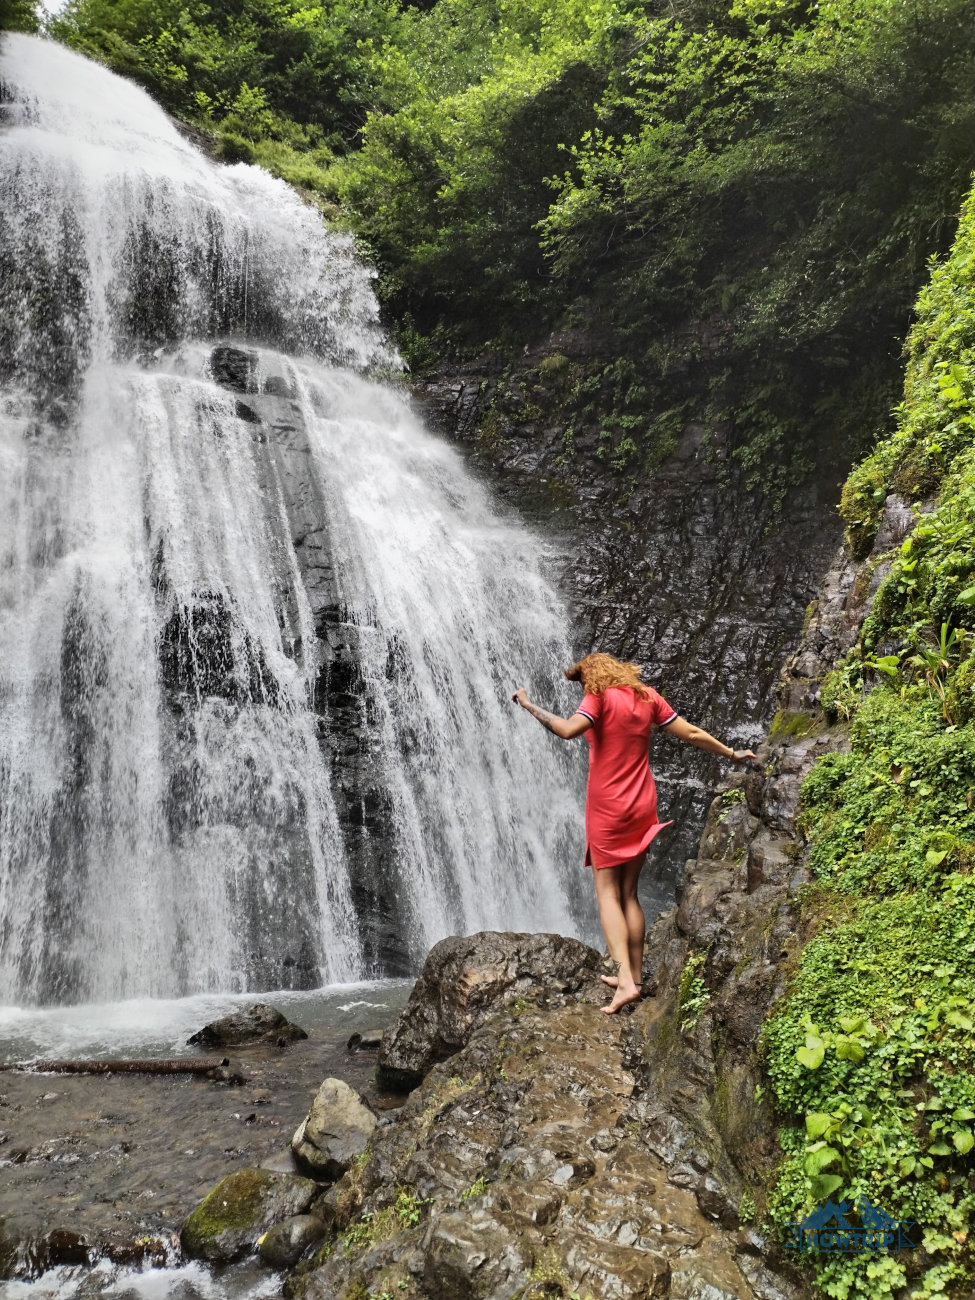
598, 672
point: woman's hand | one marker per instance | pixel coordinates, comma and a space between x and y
521, 697
743, 756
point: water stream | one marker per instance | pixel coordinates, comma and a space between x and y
258, 629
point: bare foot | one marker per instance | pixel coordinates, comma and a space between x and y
612, 981
624, 995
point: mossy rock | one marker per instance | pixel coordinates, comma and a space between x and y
227, 1223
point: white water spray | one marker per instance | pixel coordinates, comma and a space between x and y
257, 628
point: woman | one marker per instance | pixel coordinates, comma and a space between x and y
617, 715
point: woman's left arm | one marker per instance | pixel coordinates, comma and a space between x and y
564, 728
702, 739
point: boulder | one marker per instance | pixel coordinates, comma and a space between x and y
770, 861
336, 1130
284, 1244
470, 1253
706, 882
464, 980
227, 1223
729, 830
259, 1023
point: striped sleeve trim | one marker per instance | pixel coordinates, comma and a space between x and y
672, 718
591, 718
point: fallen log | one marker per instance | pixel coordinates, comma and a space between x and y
166, 1065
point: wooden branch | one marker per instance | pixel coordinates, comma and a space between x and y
170, 1065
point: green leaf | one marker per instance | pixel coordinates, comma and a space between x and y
817, 1122
848, 1049
907, 1166
817, 1161
935, 857
966, 597
940, 1149
810, 1057
962, 1113
964, 1140
824, 1185
852, 1025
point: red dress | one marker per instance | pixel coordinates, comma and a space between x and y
621, 797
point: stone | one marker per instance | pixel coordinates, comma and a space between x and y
259, 1023
707, 882
284, 1244
336, 1130
369, 1041
718, 1278
780, 803
234, 368
729, 830
768, 862
463, 980
64, 1246
472, 1254
228, 1222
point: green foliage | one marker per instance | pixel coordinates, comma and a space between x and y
374, 1227
742, 194
18, 16
872, 1056
693, 994
293, 81
874, 1053
779, 129
935, 423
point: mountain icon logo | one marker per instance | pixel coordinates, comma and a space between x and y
850, 1227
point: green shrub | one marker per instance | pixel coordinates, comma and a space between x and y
872, 1054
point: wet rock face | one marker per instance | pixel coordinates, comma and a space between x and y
463, 980
688, 572
536, 1157
257, 1024
336, 1130
228, 1222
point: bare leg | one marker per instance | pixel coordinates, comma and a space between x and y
609, 898
636, 924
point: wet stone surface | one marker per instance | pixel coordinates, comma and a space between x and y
561, 1152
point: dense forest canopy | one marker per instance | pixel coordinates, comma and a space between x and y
741, 196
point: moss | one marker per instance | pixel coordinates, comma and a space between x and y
235, 1203
793, 725
861, 504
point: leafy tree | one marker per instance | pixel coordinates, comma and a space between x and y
18, 16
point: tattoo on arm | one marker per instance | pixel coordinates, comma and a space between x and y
546, 719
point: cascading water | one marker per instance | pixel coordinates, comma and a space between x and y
258, 629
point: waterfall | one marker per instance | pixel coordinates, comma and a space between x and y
258, 629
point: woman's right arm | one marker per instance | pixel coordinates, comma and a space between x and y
564, 728
701, 739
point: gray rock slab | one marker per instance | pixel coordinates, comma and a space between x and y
336, 1130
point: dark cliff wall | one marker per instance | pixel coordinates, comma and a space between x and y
701, 580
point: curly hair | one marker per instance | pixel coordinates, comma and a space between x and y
598, 672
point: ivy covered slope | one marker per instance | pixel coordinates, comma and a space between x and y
731, 201
873, 1054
